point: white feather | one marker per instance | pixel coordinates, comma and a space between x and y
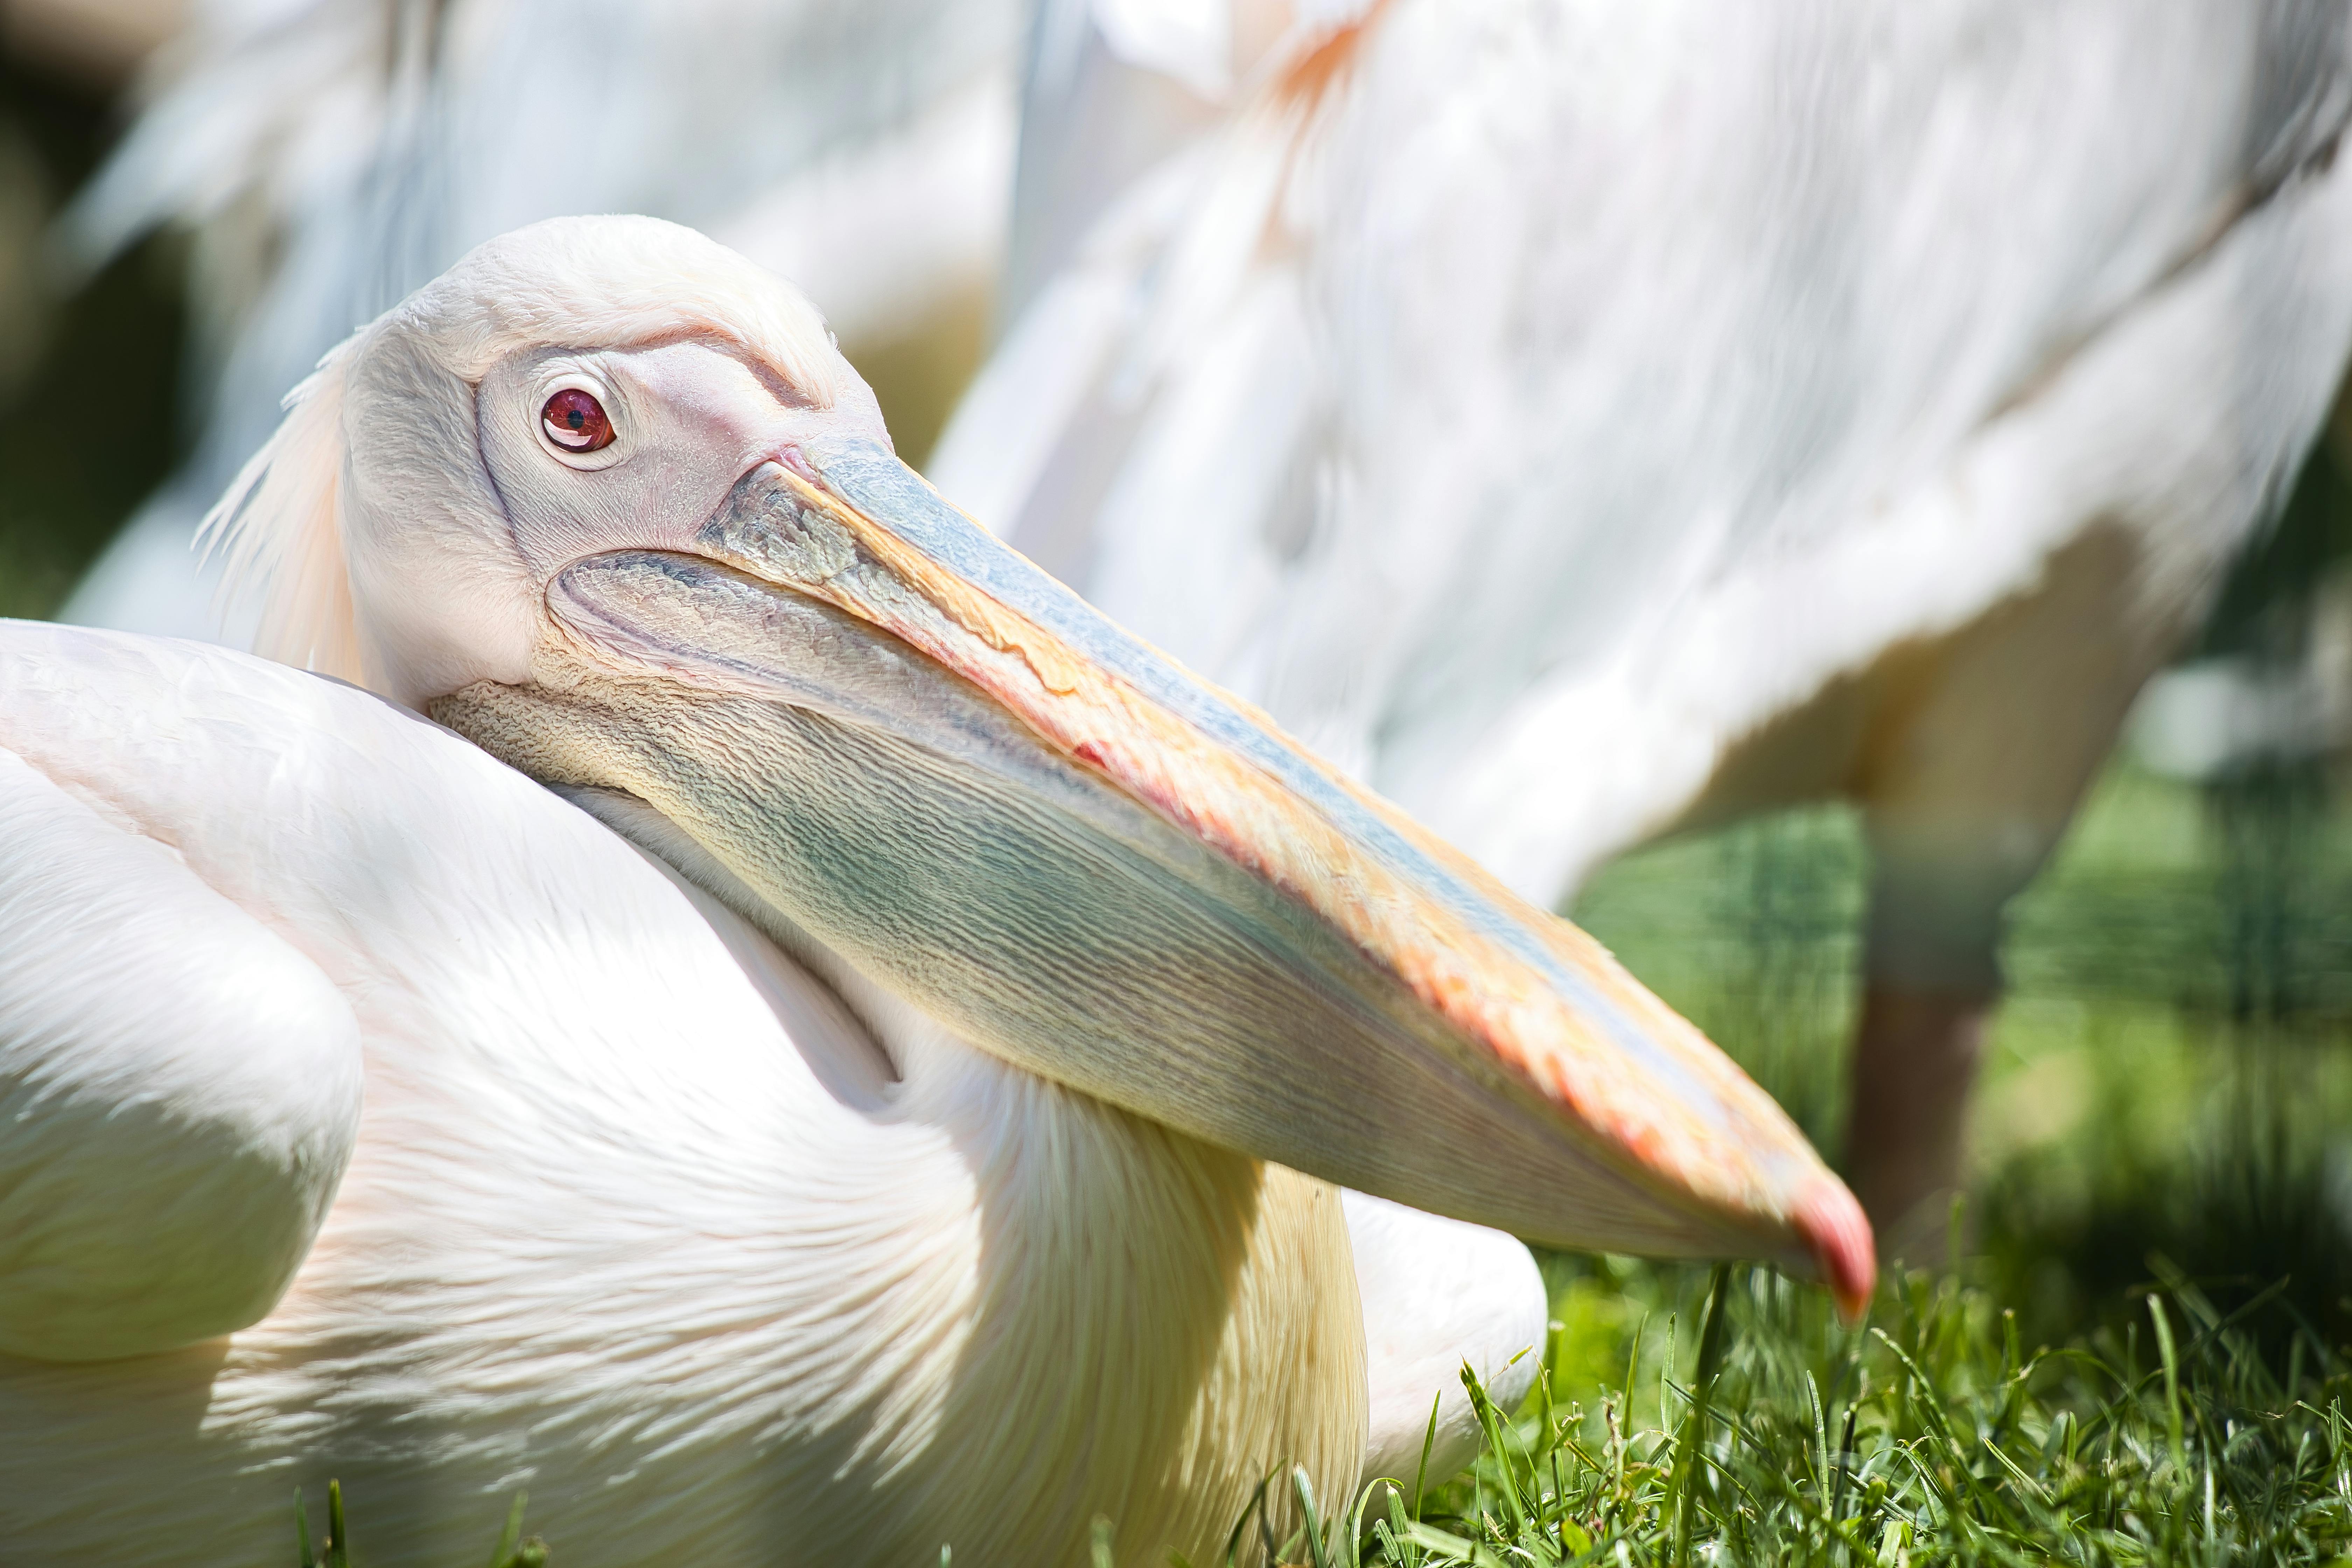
636, 1215
1529, 405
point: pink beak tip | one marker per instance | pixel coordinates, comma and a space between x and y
1833, 1224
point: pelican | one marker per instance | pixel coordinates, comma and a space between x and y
878, 1097
1585, 425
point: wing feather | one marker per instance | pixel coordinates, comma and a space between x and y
1642, 374
179, 1090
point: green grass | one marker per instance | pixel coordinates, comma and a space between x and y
1758, 1429
334, 1549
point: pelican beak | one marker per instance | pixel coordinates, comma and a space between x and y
939, 763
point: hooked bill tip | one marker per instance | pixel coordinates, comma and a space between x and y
1834, 1225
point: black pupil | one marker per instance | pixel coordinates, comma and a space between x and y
573, 417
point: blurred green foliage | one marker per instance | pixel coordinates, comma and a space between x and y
2168, 1074
90, 369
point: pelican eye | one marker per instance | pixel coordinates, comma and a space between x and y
575, 421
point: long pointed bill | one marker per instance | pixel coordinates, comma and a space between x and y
935, 761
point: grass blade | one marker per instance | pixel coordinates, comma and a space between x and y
511, 1536
2164, 1348
1693, 1431
1305, 1491
1428, 1443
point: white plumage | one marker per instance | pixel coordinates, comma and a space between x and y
632, 1209
1585, 424
765, 1184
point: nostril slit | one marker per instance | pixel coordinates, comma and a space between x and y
793, 459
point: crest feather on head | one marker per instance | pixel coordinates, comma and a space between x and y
572, 282
279, 529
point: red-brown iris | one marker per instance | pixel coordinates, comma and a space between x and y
575, 421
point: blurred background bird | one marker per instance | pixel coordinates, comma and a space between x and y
1589, 430
1562, 371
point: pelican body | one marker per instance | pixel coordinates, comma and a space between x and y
828, 1048
628, 1207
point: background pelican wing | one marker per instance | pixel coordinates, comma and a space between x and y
1525, 407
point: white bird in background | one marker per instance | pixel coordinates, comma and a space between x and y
878, 1155
1588, 423
330, 156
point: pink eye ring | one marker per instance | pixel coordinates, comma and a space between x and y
575, 421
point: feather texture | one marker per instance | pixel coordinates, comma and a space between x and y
1531, 405
636, 1214
622, 1223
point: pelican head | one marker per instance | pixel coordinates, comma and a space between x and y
606, 499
